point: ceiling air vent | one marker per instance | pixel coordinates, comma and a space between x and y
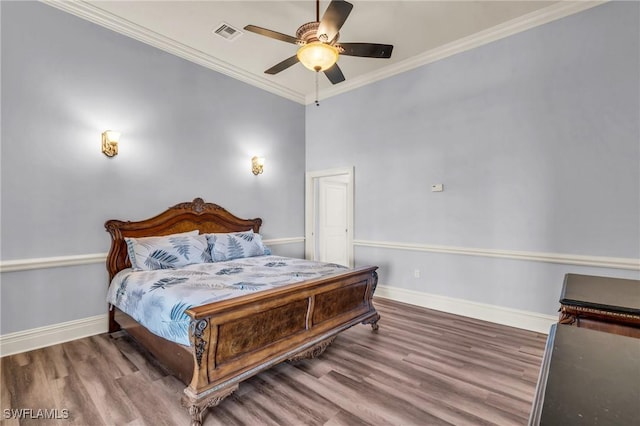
228, 32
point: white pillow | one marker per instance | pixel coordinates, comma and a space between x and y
235, 245
167, 251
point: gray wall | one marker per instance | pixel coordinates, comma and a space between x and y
186, 132
536, 140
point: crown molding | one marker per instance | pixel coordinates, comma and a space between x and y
89, 12
506, 29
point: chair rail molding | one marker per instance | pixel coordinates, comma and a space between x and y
532, 256
17, 265
280, 241
51, 262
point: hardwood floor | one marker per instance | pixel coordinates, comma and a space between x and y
422, 367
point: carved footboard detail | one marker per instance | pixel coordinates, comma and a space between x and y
198, 407
314, 351
373, 321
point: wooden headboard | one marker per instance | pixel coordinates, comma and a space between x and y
183, 217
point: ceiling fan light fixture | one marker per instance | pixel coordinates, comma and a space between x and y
318, 56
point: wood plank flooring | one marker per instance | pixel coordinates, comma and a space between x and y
422, 367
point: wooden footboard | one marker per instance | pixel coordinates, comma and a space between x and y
233, 340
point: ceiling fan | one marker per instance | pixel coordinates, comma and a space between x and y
319, 48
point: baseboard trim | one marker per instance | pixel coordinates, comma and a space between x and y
526, 320
35, 338
561, 258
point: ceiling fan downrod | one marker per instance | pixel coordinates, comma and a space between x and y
317, 103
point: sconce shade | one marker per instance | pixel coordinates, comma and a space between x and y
257, 165
318, 56
110, 140
113, 136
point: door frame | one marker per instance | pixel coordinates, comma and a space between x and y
310, 217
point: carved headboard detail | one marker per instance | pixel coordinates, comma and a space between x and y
183, 217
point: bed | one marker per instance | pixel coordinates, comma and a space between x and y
233, 339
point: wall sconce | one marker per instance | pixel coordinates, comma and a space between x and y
257, 165
110, 143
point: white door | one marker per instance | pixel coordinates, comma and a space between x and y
332, 221
329, 216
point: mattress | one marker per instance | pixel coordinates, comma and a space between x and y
158, 299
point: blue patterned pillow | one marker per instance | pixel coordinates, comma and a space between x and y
235, 245
167, 252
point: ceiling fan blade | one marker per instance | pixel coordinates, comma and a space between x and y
367, 50
272, 34
283, 65
333, 19
334, 74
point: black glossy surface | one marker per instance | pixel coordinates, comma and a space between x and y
593, 379
606, 293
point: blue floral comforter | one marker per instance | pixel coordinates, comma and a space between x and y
157, 299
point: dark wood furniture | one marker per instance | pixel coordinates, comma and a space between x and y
601, 303
588, 378
234, 339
